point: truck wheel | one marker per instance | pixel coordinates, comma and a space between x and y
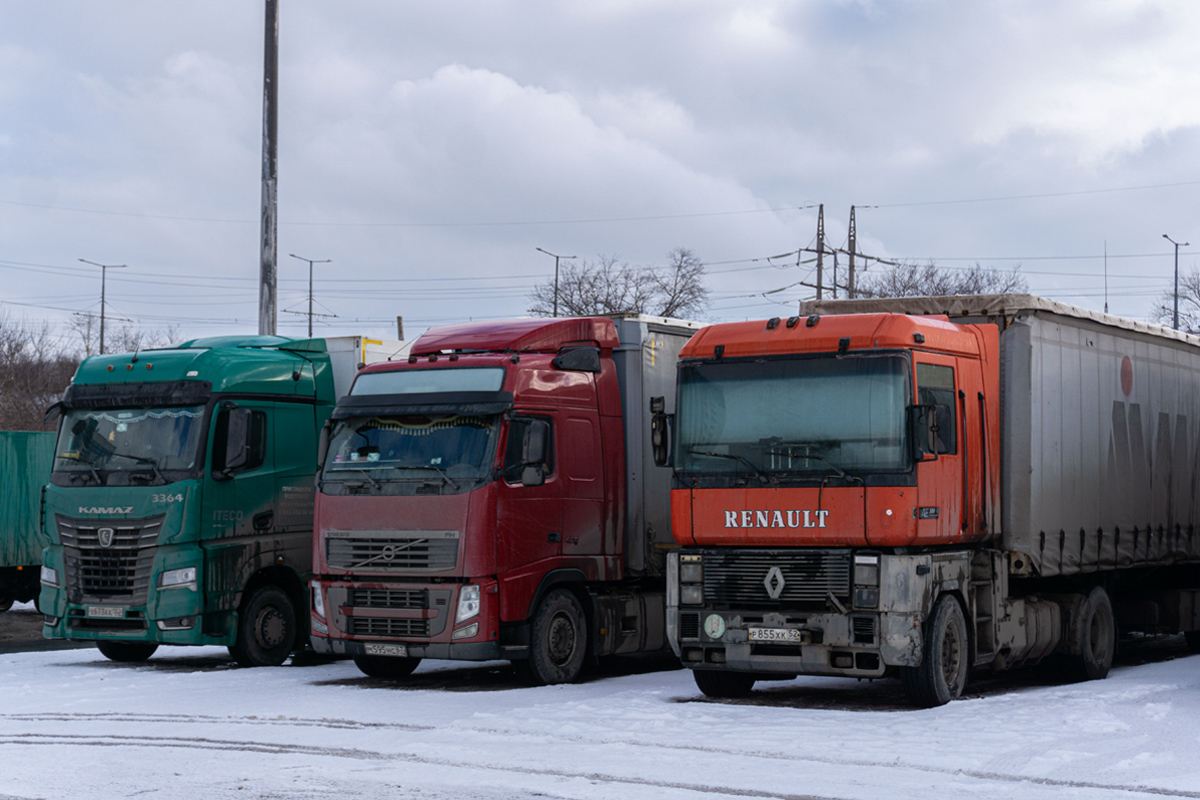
1096, 628
5, 603
266, 629
558, 639
127, 652
721, 684
944, 655
386, 667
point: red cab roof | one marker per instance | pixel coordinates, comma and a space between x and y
519, 335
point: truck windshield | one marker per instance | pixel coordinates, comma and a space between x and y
808, 417
454, 451
100, 444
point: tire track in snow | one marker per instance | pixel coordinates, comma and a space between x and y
345, 724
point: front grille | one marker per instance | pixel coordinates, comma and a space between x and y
863, 629
689, 626
373, 626
748, 578
119, 571
389, 598
392, 551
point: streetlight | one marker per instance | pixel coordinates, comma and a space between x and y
556, 258
104, 268
310, 261
1177, 244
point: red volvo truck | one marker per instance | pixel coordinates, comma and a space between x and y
495, 496
925, 486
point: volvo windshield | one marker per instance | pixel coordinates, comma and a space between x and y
125, 446
410, 454
810, 418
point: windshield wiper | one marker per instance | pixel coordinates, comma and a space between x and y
86, 463
732, 456
840, 473
374, 483
142, 460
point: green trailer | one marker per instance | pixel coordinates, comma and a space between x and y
24, 469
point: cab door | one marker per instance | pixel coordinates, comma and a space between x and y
529, 503
940, 473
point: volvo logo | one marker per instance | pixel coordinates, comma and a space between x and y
388, 553
774, 583
106, 536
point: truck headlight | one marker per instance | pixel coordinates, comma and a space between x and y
318, 600
691, 595
691, 569
866, 570
49, 577
468, 604
467, 632
178, 577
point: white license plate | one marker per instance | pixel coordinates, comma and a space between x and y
398, 650
106, 612
790, 635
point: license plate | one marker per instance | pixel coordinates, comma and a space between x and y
106, 612
398, 650
789, 635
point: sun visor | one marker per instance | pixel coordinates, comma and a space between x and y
432, 403
137, 395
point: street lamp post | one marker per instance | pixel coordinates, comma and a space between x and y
310, 261
104, 268
556, 258
1177, 245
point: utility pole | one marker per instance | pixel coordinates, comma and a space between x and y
269, 239
104, 268
310, 261
1177, 246
820, 248
556, 258
853, 249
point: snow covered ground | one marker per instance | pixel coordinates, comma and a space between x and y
187, 724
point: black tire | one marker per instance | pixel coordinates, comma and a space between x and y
1193, 641
6, 603
386, 667
266, 628
37, 602
127, 652
1096, 627
558, 639
720, 684
945, 654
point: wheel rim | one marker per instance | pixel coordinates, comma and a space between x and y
271, 628
951, 655
561, 640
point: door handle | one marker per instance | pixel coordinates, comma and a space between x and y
264, 520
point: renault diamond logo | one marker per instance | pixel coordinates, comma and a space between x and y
106, 536
774, 583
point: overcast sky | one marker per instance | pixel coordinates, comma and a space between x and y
428, 148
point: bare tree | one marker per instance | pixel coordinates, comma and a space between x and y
35, 368
609, 286
1189, 304
118, 338
910, 279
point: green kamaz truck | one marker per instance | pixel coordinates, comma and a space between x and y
180, 503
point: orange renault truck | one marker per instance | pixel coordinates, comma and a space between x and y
923, 487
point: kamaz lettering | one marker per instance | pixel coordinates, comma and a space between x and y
106, 510
776, 519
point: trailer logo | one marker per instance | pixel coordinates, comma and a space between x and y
106, 536
795, 518
774, 583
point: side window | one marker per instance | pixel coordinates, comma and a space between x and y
935, 387
239, 441
530, 447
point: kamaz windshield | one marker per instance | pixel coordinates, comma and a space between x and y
410, 453
806, 417
117, 446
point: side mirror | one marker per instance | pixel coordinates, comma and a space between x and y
537, 438
532, 475
53, 413
237, 439
924, 427
660, 438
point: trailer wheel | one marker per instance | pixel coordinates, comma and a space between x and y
385, 667
943, 671
266, 629
558, 639
127, 652
722, 684
6, 603
1094, 624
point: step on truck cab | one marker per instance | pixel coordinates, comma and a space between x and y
179, 508
495, 497
921, 487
